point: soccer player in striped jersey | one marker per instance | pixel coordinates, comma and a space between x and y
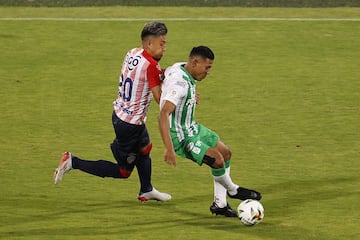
140, 80
184, 136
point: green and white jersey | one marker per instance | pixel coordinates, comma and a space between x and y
179, 88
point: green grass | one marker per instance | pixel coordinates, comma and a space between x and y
201, 3
283, 95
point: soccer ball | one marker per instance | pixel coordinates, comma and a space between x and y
250, 212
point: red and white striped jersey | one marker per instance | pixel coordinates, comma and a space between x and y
139, 73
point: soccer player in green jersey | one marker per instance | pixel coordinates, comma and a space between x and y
183, 136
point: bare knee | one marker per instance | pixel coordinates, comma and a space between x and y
219, 163
214, 159
227, 154
224, 150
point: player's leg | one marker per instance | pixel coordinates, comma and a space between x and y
221, 175
201, 149
147, 191
215, 155
134, 140
224, 150
122, 153
100, 168
144, 168
125, 158
233, 190
221, 172
220, 206
143, 162
223, 185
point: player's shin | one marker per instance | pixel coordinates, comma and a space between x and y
219, 194
222, 176
143, 166
100, 168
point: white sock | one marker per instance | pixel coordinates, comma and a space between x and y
226, 181
219, 194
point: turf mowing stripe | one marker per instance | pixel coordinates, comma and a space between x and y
178, 19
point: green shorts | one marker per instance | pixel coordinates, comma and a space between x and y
195, 147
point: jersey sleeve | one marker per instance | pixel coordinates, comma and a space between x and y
174, 90
153, 75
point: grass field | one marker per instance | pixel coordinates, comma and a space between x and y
284, 95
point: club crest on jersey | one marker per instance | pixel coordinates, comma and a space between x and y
173, 93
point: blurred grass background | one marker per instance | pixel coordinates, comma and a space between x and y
199, 3
283, 95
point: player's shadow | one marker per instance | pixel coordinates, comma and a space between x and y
199, 215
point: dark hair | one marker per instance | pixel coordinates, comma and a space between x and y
202, 51
153, 29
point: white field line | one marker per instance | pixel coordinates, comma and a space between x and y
175, 19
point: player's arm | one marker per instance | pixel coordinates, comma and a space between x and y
154, 78
156, 91
164, 127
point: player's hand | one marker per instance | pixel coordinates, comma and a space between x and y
170, 157
197, 98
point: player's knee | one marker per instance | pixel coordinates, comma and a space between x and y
125, 173
146, 150
224, 150
219, 163
227, 154
213, 161
120, 155
125, 160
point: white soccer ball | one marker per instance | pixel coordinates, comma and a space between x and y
250, 212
